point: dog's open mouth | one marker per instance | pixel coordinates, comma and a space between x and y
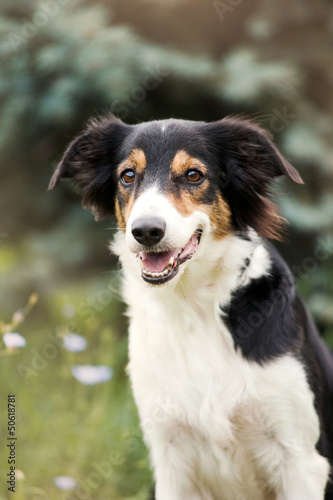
159, 267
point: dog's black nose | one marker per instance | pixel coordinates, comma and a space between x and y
148, 231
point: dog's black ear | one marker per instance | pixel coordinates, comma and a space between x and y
91, 161
248, 161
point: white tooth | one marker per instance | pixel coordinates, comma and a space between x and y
171, 261
156, 275
141, 264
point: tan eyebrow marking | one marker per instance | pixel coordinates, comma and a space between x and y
182, 162
136, 159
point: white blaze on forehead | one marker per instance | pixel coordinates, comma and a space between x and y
163, 126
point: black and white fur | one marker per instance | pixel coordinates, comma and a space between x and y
231, 379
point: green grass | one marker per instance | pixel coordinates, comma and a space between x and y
90, 433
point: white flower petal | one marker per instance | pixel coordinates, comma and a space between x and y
19, 474
14, 340
74, 342
65, 482
89, 375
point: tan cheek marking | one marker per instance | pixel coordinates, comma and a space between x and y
187, 202
123, 214
120, 216
183, 162
126, 194
128, 208
220, 217
218, 212
137, 161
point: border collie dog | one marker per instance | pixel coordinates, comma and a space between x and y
231, 379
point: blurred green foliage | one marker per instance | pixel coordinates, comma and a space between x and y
90, 433
62, 62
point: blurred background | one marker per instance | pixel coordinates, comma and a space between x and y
62, 62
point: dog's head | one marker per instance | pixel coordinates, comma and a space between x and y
175, 183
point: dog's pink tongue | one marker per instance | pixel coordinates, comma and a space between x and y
156, 262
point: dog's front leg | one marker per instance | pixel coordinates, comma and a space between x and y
174, 471
304, 479
169, 486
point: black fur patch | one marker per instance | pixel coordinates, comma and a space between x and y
91, 161
261, 316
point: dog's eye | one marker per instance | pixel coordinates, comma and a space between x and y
193, 175
128, 176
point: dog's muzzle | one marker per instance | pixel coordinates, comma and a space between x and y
159, 263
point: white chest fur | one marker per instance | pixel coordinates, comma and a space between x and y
218, 427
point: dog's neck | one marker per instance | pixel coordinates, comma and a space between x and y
219, 268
